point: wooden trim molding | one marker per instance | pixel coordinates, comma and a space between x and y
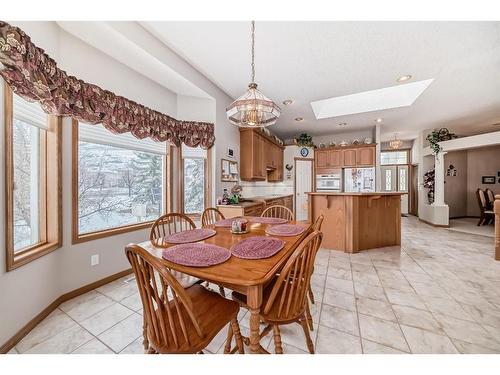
50, 189
76, 237
10, 343
496, 209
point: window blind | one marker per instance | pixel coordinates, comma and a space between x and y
29, 113
99, 134
193, 152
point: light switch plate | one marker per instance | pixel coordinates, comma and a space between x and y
94, 260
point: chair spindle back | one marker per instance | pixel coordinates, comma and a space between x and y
210, 216
293, 281
278, 211
170, 223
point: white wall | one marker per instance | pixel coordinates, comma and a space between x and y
26, 291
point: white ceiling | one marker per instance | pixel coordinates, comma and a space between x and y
310, 61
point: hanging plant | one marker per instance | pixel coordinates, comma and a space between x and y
437, 136
304, 140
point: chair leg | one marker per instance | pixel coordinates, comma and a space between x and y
480, 220
309, 342
278, 349
311, 294
222, 291
309, 317
145, 341
227, 348
237, 334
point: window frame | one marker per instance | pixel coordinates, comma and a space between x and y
76, 237
208, 183
51, 204
408, 156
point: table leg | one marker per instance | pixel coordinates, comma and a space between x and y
254, 302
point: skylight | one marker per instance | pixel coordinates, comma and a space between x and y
373, 100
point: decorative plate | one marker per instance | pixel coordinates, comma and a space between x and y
304, 151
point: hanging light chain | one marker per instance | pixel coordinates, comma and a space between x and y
253, 51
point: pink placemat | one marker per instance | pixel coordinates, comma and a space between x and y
258, 247
188, 236
227, 222
196, 254
268, 220
286, 230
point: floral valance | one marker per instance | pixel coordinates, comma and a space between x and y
32, 74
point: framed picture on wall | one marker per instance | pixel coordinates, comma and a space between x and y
488, 179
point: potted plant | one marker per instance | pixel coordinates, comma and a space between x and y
304, 140
437, 136
429, 178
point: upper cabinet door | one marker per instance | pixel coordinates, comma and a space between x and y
335, 158
322, 159
366, 156
349, 157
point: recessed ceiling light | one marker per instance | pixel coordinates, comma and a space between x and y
287, 102
404, 78
379, 120
343, 124
299, 119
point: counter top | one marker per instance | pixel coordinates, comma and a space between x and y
357, 194
252, 201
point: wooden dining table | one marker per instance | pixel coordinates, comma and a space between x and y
246, 276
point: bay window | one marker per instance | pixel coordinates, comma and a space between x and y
119, 182
33, 180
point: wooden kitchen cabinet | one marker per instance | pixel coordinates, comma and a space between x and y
349, 157
261, 157
329, 160
252, 156
365, 156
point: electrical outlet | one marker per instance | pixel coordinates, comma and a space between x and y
94, 260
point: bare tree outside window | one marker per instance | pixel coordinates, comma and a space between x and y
117, 186
26, 142
194, 185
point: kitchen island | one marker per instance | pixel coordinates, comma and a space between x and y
357, 221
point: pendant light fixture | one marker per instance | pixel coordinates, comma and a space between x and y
395, 143
253, 109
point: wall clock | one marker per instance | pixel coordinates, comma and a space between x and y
304, 151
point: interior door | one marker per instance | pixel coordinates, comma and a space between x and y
303, 184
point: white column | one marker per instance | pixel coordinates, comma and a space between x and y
439, 179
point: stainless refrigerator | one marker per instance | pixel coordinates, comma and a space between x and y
359, 179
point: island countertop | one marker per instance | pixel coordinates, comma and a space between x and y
356, 193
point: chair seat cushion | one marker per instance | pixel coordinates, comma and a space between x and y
185, 280
212, 311
488, 212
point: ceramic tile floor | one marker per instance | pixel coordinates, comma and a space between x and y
439, 293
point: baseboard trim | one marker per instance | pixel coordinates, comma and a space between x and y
434, 225
63, 298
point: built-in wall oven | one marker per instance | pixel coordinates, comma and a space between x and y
329, 182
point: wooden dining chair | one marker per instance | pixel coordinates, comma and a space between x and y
210, 216
487, 215
285, 301
278, 211
169, 224
490, 198
315, 227
179, 320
